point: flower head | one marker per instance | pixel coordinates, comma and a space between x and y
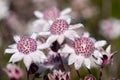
13, 71
47, 17
59, 30
59, 75
90, 77
82, 50
26, 48
106, 56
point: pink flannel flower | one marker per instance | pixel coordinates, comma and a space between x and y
14, 71
47, 17
106, 56
26, 48
90, 77
59, 30
82, 50
59, 75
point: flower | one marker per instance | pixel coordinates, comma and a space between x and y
13, 71
59, 30
26, 48
47, 17
90, 77
110, 28
106, 56
81, 51
59, 75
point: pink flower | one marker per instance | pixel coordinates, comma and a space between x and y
106, 56
13, 71
59, 75
90, 77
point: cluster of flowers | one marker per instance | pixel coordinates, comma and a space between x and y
54, 42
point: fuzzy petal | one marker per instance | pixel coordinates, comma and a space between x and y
12, 46
108, 49
49, 41
66, 11
38, 14
10, 51
69, 20
16, 57
76, 26
78, 62
101, 43
86, 34
71, 59
44, 33
70, 34
97, 54
27, 61
60, 39
16, 38
34, 35
87, 63
67, 49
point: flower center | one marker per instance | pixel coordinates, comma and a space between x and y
27, 45
51, 14
59, 26
84, 46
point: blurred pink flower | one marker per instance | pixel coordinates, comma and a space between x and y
47, 17
14, 71
110, 28
4, 9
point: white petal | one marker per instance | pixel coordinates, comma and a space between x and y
97, 54
71, 59
70, 34
68, 20
35, 57
42, 56
13, 46
27, 61
34, 35
87, 63
10, 50
100, 43
60, 39
38, 14
86, 34
16, 57
44, 33
49, 41
66, 11
16, 38
108, 49
76, 26
78, 62
67, 49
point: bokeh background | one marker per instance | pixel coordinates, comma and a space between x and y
18, 14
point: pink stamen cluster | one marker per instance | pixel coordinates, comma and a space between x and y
51, 14
59, 26
84, 46
27, 45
